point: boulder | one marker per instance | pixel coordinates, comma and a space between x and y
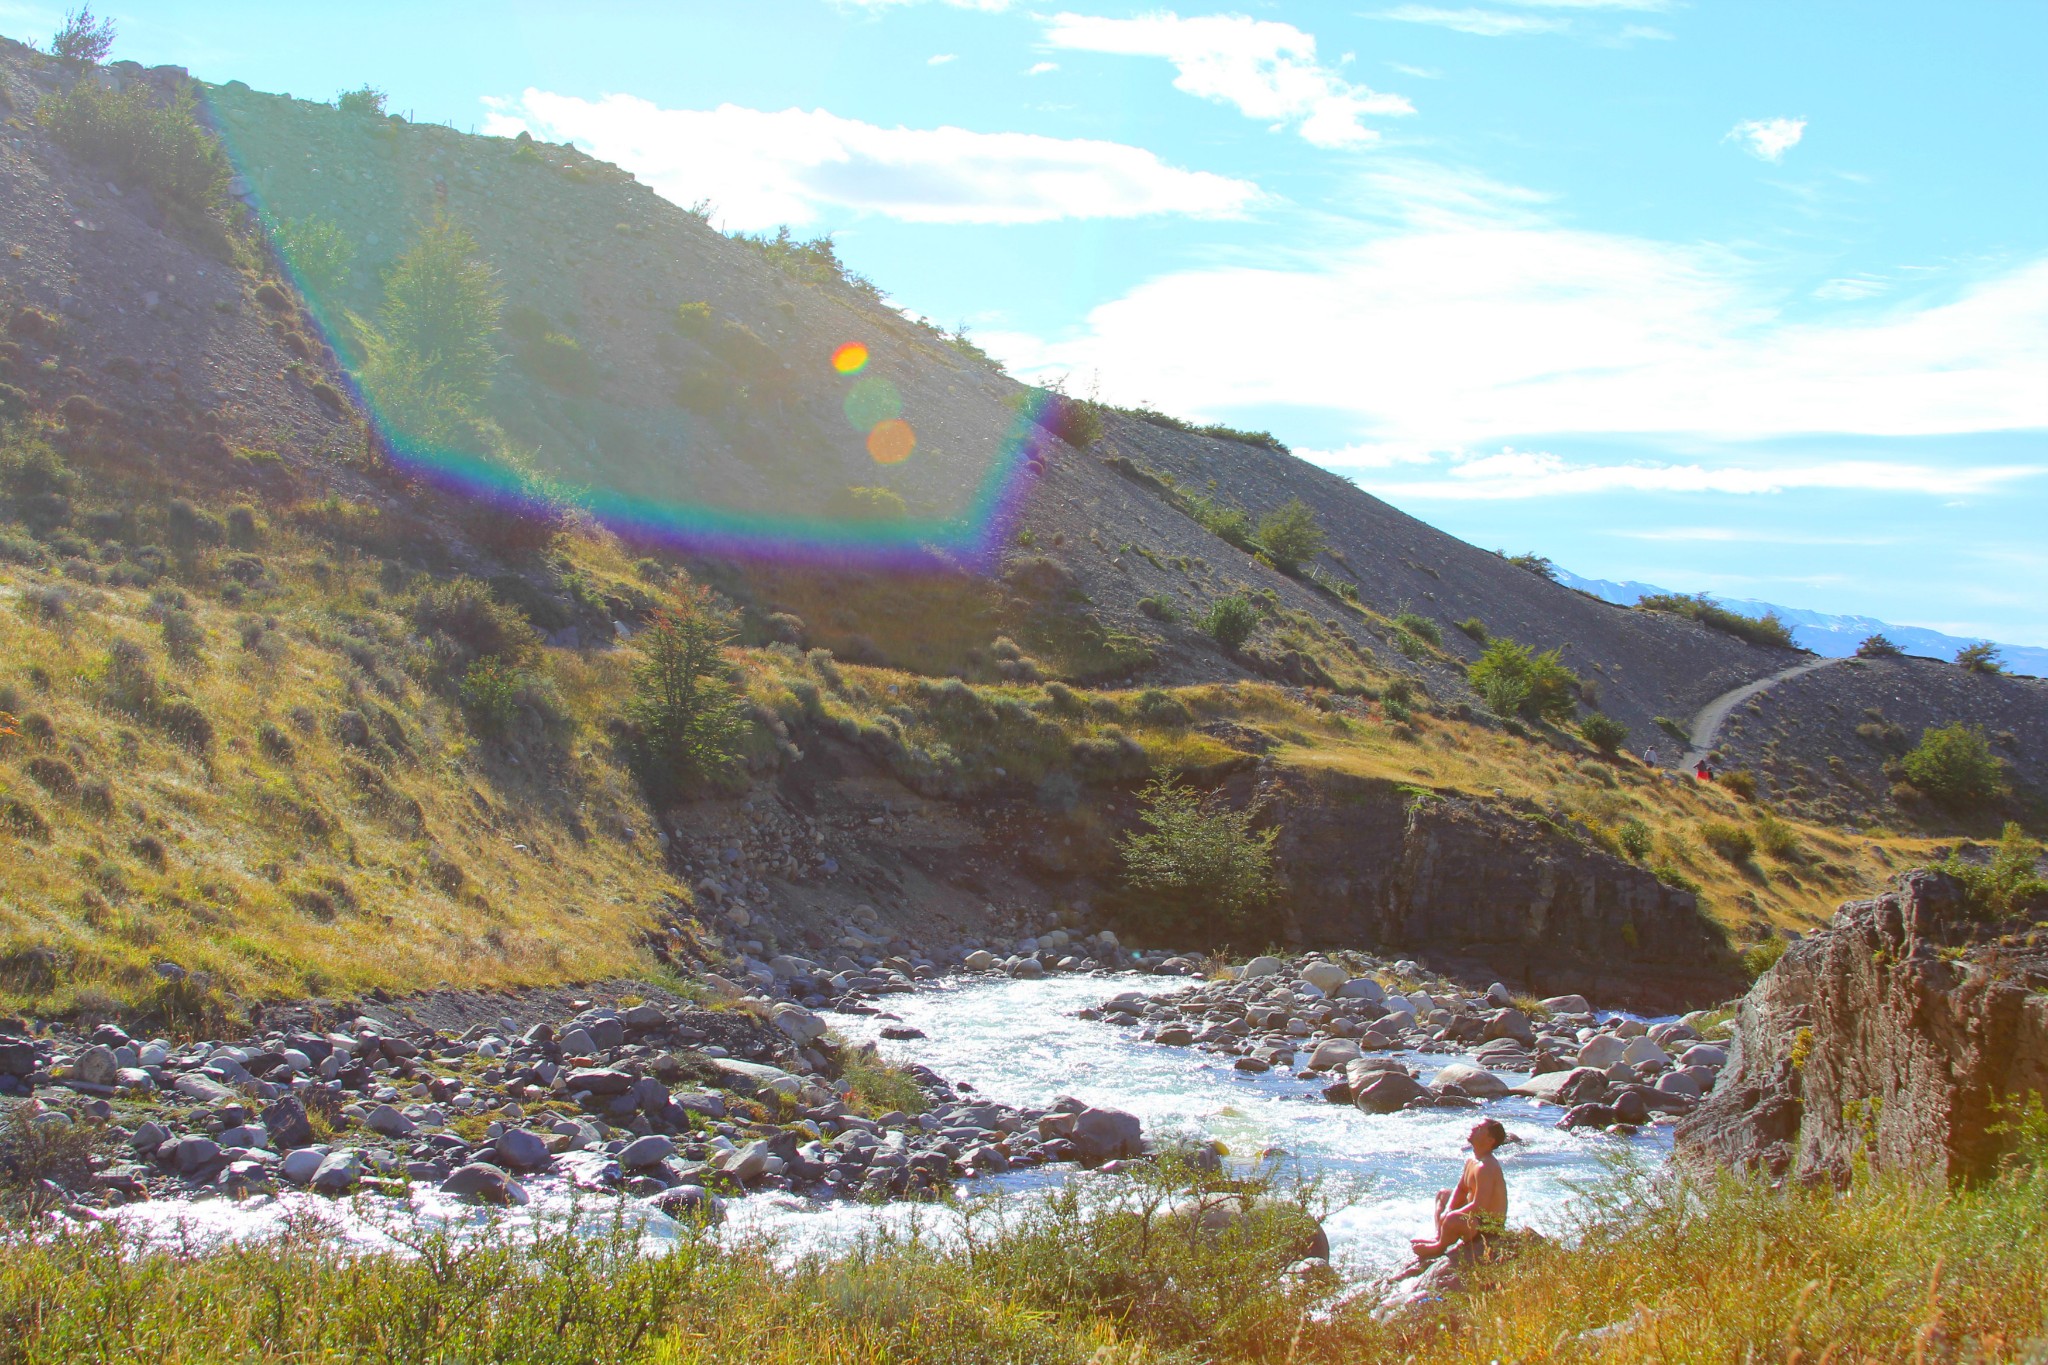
338, 1173
97, 1065
1175, 1035
1096, 1135
1479, 1084
651, 1150
1326, 977
1678, 1083
285, 1120
1386, 1092
522, 1150
299, 1166
1568, 1004
1511, 1023
389, 1122
1580, 1085
1028, 969
1642, 1052
484, 1183
1704, 1054
597, 1080
1333, 1052
1362, 988
980, 960
801, 1026
1602, 1051
1263, 966
749, 1163
690, 1204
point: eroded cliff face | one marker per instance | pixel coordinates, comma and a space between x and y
1898, 1032
1469, 885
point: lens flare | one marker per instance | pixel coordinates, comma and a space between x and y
872, 400
850, 358
892, 441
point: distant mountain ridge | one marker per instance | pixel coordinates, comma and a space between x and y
1836, 637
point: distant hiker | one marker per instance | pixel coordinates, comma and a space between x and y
1476, 1208
1703, 772
1650, 756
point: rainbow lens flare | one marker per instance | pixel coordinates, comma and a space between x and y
850, 358
892, 441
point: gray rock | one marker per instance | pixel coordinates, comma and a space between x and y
286, 1123
1511, 1023
193, 1153
388, 1121
690, 1204
651, 1150
1679, 1083
17, 1058
194, 1086
643, 1016
1568, 1004
1326, 977
1386, 1092
1333, 1052
523, 1151
338, 1173
598, 1080
803, 1027
1479, 1084
1363, 988
1027, 969
1099, 1134
484, 1183
299, 1166
1263, 966
578, 1043
97, 1065
148, 1137
980, 960
1602, 1051
748, 1163
1704, 1054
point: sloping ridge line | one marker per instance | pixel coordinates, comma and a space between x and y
1706, 724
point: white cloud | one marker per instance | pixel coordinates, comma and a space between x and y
1487, 23
985, 6
1729, 535
941, 58
1852, 287
1768, 139
760, 168
1454, 335
1267, 70
1042, 68
1532, 474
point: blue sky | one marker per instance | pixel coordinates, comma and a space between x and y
1750, 297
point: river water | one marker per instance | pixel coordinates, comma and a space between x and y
1017, 1042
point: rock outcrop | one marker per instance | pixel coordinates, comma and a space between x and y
1899, 1032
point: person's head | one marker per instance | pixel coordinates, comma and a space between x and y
1486, 1135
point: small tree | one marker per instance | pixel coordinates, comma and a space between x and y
1290, 536
1982, 657
441, 309
685, 709
1534, 563
318, 253
2009, 884
1548, 690
1954, 765
364, 101
1231, 621
1878, 647
1199, 853
84, 40
1604, 732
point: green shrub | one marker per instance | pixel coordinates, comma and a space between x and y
83, 40
1513, 679
686, 712
1198, 856
1733, 842
876, 1088
1775, 837
560, 362
1878, 647
867, 504
695, 319
162, 148
1635, 838
1670, 874
1760, 957
1158, 608
2008, 884
438, 325
1421, 627
365, 101
1982, 657
1767, 630
1534, 563
1290, 535
1228, 524
1231, 621
1162, 708
1954, 765
1740, 782
1604, 732
1474, 627
464, 612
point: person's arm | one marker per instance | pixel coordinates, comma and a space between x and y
1468, 1187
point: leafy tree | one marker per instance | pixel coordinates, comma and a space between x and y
160, 147
318, 253
1290, 535
1878, 647
1534, 563
1982, 657
1199, 854
1231, 621
685, 709
1547, 689
441, 309
84, 40
1604, 732
364, 101
1954, 765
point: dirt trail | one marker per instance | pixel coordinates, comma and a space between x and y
1706, 725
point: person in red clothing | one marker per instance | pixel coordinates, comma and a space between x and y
1703, 772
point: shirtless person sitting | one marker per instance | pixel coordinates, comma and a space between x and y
1478, 1205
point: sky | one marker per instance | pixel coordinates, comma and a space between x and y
1743, 297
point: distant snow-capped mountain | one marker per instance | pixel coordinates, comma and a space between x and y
1833, 636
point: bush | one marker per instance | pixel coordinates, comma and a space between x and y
1982, 657
1534, 563
1231, 621
1731, 841
440, 317
1775, 837
694, 320
1604, 732
365, 101
686, 714
1421, 627
1474, 627
463, 612
2008, 885
1513, 679
1878, 647
867, 504
159, 147
1635, 838
1740, 782
84, 40
318, 253
1290, 535
1158, 608
1072, 420
1767, 630
1953, 764
490, 696
1761, 957
1202, 857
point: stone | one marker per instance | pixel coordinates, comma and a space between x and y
193, 1153
1174, 1035
651, 1150
285, 1120
690, 1204
1704, 1054
1251, 1065
1678, 1083
643, 1016
1334, 1052
1362, 988
486, 1184
1499, 996
749, 1163
1568, 1004
1477, 1083
801, 1026
1602, 1051
522, 1150
338, 1173
205, 1090
1580, 1085
96, 1065
1511, 1023
980, 960
1262, 966
17, 1058
597, 1080
1386, 1092
1643, 1052
1326, 977
148, 1137
1027, 969
388, 1121
1631, 1107
299, 1166
578, 1043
